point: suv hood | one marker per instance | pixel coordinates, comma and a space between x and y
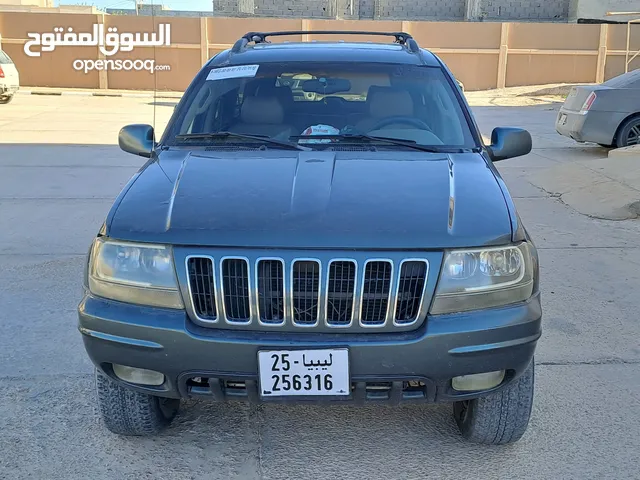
316, 199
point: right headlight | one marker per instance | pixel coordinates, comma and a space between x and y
134, 273
483, 278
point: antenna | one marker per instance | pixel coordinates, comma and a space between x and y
155, 72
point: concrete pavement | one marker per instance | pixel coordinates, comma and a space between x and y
59, 172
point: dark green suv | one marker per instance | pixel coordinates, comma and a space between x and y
320, 248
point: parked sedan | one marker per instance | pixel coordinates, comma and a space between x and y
9, 78
608, 114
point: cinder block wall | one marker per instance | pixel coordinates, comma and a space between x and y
349, 9
557, 10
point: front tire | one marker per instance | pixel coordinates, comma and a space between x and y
131, 413
500, 418
5, 100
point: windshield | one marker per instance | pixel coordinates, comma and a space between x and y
292, 101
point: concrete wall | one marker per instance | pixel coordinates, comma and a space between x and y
597, 9
483, 55
556, 10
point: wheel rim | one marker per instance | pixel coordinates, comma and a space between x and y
633, 138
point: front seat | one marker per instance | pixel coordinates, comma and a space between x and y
262, 116
385, 102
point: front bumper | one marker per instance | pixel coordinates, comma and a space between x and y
222, 364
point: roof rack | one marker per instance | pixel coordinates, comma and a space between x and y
261, 37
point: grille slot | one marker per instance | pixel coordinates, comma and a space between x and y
235, 284
201, 282
410, 291
305, 286
340, 292
271, 291
375, 292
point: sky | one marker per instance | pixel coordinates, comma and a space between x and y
203, 5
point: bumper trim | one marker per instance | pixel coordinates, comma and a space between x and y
132, 342
495, 346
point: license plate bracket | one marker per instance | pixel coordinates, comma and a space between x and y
308, 372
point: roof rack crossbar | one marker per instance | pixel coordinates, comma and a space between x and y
261, 37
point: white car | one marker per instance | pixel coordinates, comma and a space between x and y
9, 78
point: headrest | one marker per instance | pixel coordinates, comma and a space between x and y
282, 93
265, 110
389, 102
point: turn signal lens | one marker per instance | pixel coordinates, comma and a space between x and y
138, 375
478, 381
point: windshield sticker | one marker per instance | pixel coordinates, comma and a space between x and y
320, 130
241, 71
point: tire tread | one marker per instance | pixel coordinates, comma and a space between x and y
131, 413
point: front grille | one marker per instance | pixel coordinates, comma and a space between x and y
410, 291
375, 292
235, 284
201, 284
340, 292
305, 289
353, 293
271, 291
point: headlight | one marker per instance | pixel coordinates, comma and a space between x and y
484, 278
134, 273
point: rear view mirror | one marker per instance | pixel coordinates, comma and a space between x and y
137, 139
325, 86
507, 142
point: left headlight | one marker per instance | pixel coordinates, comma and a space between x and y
134, 273
484, 278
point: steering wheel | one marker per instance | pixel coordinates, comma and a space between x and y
416, 122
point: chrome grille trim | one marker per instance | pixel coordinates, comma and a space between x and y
251, 292
215, 289
353, 300
422, 292
319, 301
390, 296
283, 288
358, 322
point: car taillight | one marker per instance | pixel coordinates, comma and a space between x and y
1, 72
588, 102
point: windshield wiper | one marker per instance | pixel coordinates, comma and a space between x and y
394, 141
223, 135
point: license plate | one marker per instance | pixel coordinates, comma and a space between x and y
563, 119
304, 372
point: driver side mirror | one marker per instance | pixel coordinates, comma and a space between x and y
137, 139
507, 142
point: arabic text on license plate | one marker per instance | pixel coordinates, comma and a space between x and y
304, 372
563, 119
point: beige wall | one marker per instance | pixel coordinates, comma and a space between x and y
482, 55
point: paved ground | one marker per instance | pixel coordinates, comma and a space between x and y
55, 188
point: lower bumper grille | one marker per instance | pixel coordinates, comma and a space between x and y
308, 292
387, 391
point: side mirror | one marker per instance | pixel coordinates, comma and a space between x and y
137, 139
509, 142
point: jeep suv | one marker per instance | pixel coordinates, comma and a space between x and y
316, 248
